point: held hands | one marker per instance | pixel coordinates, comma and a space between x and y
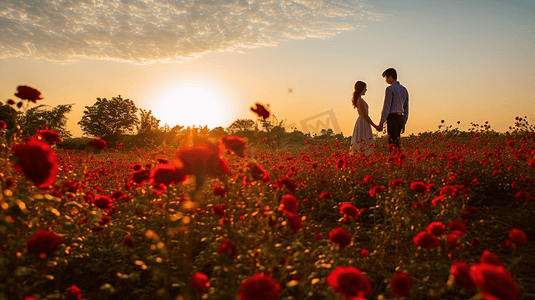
379, 127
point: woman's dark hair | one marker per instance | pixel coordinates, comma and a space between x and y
391, 72
359, 86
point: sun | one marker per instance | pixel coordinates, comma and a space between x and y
191, 105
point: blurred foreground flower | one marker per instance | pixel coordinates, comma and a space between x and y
43, 241
350, 282
260, 110
494, 282
166, 174
28, 93
259, 287
235, 143
460, 272
37, 161
202, 161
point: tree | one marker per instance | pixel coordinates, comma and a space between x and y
148, 130
241, 126
148, 123
42, 116
109, 119
217, 132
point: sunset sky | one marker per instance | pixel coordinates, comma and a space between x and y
206, 62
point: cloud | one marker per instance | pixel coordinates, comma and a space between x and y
144, 31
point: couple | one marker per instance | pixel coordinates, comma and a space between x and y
395, 114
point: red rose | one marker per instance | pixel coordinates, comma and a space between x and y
438, 199
395, 183
49, 136
28, 93
419, 187
104, 220
102, 202
437, 229
259, 287
426, 240
376, 190
228, 248
258, 172
202, 161
260, 110
401, 284
236, 144
166, 174
99, 144
294, 221
3, 125
517, 237
140, 177
461, 274
452, 239
490, 258
340, 236
317, 236
287, 182
219, 191
74, 293
349, 210
457, 225
289, 203
219, 211
43, 241
37, 161
200, 282
128, 240
449, 190
494, 282
368, 179
350, 282
325, 195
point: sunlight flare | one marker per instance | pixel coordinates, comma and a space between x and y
191, 105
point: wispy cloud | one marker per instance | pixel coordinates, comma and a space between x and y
144, 31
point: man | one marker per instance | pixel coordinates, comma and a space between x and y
395, 109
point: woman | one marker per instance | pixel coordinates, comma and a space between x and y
362, 140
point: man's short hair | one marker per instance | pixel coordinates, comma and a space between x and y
391, 72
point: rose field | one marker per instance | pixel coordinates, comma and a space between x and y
450, 217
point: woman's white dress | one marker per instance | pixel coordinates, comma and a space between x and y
362, 139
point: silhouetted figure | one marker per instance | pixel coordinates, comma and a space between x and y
362, 139
395, 109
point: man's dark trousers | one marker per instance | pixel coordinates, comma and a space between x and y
394, 124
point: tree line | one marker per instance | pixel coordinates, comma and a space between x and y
121, 124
